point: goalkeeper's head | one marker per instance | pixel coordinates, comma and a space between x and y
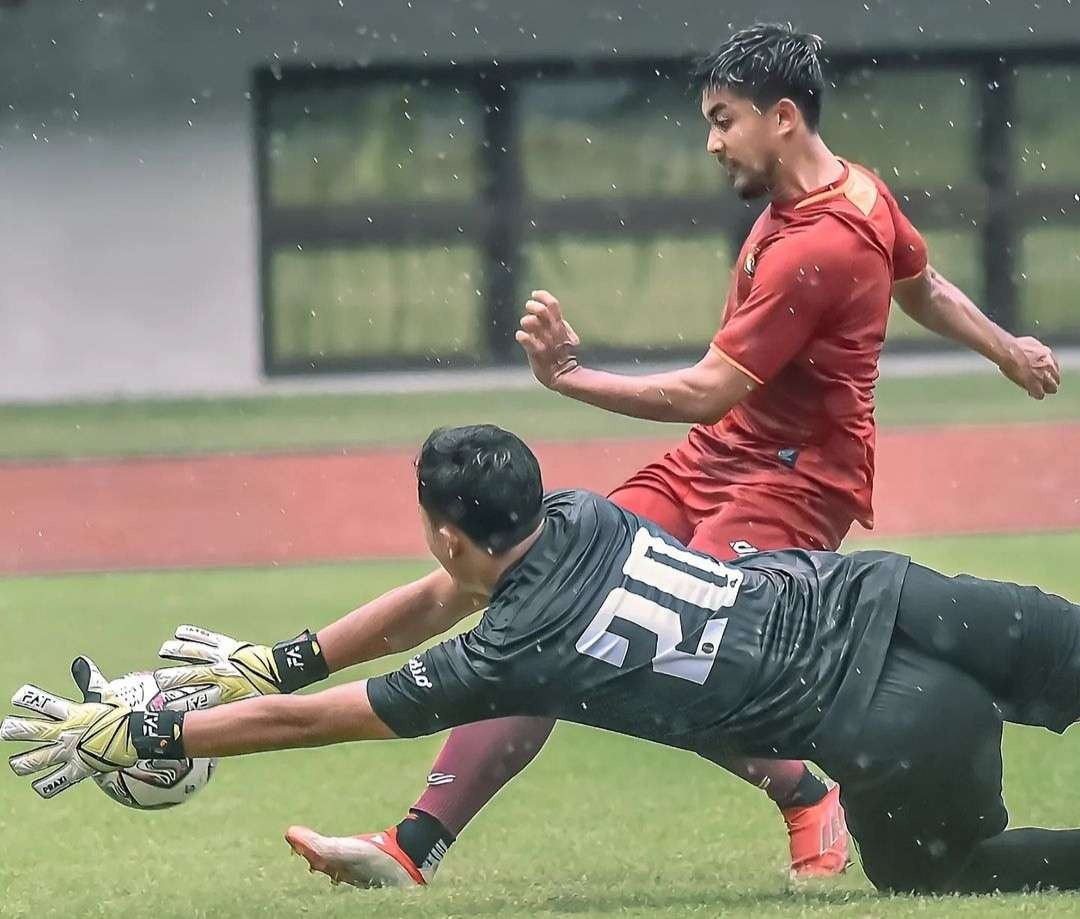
480, 496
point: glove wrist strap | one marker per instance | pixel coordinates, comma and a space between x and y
300, 662
157, 735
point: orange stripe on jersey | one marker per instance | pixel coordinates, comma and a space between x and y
859, 189
734, 363
910, 277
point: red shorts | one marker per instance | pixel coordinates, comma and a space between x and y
728, 519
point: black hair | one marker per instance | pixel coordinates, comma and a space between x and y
484, 480
765, 63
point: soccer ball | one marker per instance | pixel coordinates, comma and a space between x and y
153, 784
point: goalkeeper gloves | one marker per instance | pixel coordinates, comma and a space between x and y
226, 670
100, 734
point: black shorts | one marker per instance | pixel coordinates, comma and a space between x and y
921, 781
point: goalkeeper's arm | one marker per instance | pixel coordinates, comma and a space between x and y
222, 670
399, 620
336, 715
78, 740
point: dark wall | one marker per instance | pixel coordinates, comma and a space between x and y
125, 49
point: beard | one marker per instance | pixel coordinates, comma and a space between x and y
749, 185
751, 189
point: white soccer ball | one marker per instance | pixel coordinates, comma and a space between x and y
153, 784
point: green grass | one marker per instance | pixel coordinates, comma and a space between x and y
331, 421
600, 825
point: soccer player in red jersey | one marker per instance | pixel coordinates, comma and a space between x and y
781, 452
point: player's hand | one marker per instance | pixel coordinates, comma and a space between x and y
227, 670
82, 739
1031, 365
548, 339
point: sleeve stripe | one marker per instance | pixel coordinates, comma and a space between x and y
734, 363
912, 277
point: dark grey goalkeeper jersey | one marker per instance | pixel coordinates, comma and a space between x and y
609, 621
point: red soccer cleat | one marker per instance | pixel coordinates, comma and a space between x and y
371, 860
818, 837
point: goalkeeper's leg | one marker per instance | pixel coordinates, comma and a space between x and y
1020, 643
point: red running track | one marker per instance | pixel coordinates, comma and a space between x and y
290, 508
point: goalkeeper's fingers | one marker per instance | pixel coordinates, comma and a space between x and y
39, 758
189, 652
55, 709
61, 780
42, 702
49, 729
186, 677
89, 679
203, 678
194, 645
35, 730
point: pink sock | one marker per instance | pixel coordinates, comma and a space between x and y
475, 762
778, 778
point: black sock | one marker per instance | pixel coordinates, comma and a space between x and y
423, 839
809, 791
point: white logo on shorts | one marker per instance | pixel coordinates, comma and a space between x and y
742, 547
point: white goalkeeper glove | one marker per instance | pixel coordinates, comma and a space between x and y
222, 669
100, 734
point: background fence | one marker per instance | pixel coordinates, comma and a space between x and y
407, 211
196, 198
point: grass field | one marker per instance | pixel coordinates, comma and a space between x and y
395, 419
601, 825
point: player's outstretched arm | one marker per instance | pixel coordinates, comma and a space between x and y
703, 393
936, 303
219, 669
336, 715
399, 620
95, 737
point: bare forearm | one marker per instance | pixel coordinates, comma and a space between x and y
280, 722
655, 397
397, 621
951, 313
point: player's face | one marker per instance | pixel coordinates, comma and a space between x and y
743, 139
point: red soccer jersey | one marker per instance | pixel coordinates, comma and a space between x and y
805, 318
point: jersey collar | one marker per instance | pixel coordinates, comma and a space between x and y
832, 190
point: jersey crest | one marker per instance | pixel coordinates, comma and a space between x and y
751, 262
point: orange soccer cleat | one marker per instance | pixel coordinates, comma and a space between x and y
371, 860
818, 837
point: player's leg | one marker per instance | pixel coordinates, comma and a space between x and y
1024, 859
476, 760
928, 816
1019, 642
917, 806
817, 834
